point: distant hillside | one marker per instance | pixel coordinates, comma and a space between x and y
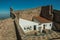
4, 16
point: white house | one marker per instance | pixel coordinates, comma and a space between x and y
28, 26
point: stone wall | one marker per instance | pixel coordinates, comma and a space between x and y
46, 12
27, 14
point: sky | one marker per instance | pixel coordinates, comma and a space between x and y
25, 4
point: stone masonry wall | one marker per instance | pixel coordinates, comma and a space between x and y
28, 14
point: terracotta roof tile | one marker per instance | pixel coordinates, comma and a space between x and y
41, 19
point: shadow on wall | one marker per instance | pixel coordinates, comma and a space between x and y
17, 32
46, 12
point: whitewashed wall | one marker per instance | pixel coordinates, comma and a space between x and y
26, 24
47, 25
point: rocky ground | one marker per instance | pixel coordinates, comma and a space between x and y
52, 35
7, 30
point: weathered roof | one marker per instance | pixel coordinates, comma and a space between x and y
41, 19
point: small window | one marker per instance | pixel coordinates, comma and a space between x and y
24, 28
50, 24
44, 25
34, 27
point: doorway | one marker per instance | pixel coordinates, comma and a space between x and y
34, 27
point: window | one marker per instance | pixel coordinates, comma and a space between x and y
24, 28
44, 26
50, 24
34, 27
